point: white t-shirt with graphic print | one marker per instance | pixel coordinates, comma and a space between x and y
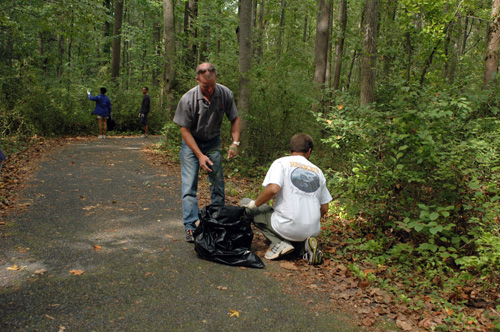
297, 205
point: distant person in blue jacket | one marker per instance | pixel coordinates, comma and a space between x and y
2, 158
102, 111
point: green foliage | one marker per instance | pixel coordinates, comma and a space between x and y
422, 165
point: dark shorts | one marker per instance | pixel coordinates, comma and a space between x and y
144, 119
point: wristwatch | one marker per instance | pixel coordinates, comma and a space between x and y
236, 143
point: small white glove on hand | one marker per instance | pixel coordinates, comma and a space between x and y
251, 205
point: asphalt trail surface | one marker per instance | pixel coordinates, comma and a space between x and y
99, 247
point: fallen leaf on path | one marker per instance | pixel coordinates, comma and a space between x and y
368, 322
14, 268
77, 272
403, 325
288, 266
3, 223
331, 250
221, 287
372, 271
40, 272
234, 313
97, 247
50, 317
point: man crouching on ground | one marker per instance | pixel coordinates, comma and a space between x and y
301, 198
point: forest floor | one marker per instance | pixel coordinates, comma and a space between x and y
330, 287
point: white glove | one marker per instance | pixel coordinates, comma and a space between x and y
251, 205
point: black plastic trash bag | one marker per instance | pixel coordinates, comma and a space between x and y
224, 235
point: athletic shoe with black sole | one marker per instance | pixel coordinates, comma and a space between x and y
189, 235
313, 255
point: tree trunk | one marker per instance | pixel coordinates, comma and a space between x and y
339, 46
368, 61
245, 38
116, 45
321, 46
254, 13
169, 37
259, 52
428, 63
491, 63
60, 51
408, 56
306, 26
329, 54
281, 28
190, 30
106, 46
454, 57
156, 41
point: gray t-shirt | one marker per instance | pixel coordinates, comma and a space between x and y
202, 118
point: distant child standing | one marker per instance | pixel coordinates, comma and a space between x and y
102, 111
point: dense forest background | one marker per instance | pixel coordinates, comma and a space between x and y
401, 97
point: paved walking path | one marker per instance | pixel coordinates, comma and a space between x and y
100, 248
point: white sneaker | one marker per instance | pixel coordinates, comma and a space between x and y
278, 250
100, 136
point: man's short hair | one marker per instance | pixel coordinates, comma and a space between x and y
147, 89
103, 90
301, 143
207, 66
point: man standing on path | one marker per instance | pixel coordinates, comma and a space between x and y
145, 108
301, 198
199, 114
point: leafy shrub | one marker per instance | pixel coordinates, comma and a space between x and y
421, 166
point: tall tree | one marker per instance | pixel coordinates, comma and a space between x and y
191, 30
281, 29
491, 63
169, 37
339, 45
369, 57
260, 32
116, 45
156, 41
321, 46
107, 31
245, 47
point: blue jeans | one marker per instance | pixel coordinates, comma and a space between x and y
190, 167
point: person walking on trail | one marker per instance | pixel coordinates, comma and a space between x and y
301, 198
145, 108
199, 114
2, 158
102, 111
